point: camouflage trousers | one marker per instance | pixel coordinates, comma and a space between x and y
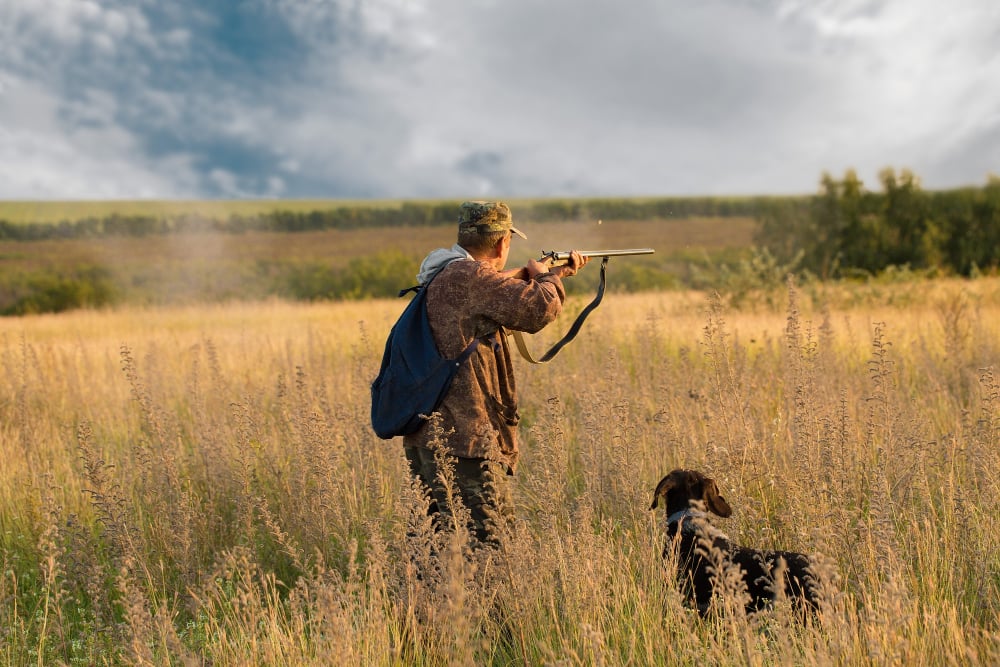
482, 486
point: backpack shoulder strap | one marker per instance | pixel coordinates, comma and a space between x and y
420, 289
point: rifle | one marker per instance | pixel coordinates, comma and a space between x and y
563, 256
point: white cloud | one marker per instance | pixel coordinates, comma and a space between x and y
915, 84
39, 159
62, 25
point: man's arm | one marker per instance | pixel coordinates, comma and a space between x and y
535, 268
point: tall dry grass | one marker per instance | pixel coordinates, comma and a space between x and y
200, 486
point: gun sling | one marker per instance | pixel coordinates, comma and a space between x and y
573, 330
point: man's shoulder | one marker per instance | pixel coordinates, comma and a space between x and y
464, 286
465, 271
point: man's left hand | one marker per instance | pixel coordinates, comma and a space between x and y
575, 263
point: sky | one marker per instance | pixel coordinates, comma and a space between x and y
465, 99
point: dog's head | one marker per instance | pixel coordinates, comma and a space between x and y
681, 487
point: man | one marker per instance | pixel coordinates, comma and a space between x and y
473, 298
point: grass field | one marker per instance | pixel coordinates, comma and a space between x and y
199, 485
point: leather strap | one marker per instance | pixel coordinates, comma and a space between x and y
573, 330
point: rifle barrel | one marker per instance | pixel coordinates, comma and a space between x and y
562, 255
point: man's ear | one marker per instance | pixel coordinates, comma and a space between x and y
499, 247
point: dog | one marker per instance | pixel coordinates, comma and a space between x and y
687, 494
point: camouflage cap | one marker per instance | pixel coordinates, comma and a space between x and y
487, 216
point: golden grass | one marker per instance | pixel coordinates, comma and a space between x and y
199, 485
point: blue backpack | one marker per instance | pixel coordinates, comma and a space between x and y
414, 377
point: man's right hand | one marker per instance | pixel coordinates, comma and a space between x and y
534, 268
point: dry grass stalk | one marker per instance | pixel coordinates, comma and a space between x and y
216, 496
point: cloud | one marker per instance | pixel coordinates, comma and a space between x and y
411, 98
619, 99
41, 158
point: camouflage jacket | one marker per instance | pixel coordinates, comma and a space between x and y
471, 299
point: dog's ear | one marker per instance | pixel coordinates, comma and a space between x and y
714, 500
662, 489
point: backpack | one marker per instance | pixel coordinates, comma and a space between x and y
414, 377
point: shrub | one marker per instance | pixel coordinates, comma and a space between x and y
87, 287
381, 275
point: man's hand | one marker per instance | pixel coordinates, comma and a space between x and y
535, 268
575, 263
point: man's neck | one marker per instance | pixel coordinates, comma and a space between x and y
485, 256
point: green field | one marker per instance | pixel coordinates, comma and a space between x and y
57, 211
48, 212
53, 274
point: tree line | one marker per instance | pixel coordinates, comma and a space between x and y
846, 230
842, 230
372, 216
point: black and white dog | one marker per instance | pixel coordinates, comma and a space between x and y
687, 494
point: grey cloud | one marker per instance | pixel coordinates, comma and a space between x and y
582, 98
453, 97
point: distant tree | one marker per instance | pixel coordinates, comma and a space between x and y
818, 233
980, 242
839, 222
787, 228
915, 237
863, 236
